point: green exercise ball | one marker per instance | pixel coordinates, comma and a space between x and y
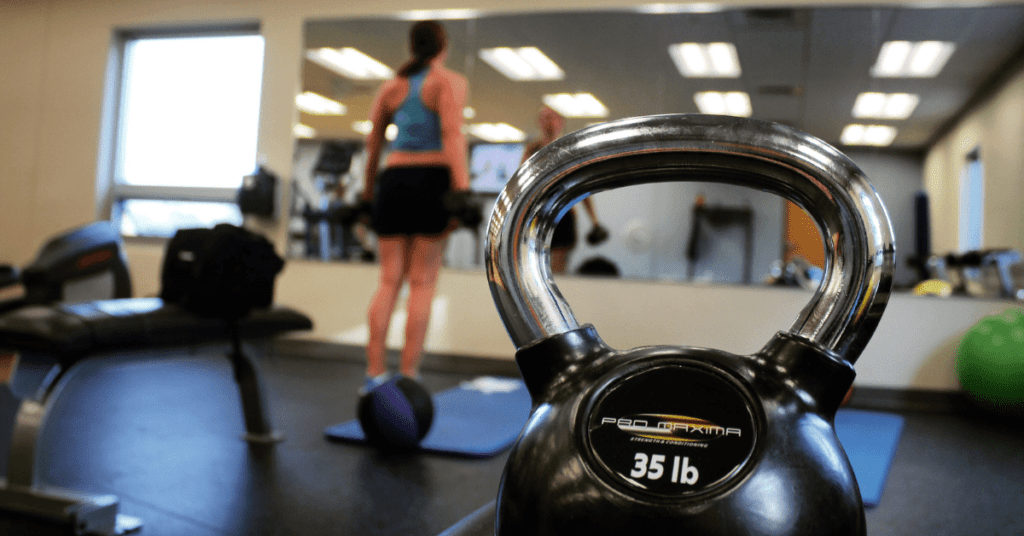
990, 362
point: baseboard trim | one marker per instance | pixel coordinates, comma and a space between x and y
451, 363
887, 399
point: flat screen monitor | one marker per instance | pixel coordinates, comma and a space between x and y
492, 164
336, 158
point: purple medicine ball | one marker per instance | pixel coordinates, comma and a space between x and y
396, 414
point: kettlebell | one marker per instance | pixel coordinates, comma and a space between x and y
684, 440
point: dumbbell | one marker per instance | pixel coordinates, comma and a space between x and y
341, 213
680, 439
465, 208
597, 235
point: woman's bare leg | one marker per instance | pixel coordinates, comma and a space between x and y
425, 263
394, 256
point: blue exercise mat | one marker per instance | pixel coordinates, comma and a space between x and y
478, 419
870, 440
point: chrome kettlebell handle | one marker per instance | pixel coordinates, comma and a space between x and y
842, 314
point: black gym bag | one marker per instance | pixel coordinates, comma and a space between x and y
225, 272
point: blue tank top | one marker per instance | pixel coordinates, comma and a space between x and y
419, 128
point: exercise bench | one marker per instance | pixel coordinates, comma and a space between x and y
41, 344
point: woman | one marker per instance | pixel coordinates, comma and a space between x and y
428, 158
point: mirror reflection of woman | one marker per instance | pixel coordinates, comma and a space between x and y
564, 240
427, 159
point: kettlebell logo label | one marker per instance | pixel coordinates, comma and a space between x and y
701, 432
672, 428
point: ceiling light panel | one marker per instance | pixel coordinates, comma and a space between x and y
497, 132
876, 135
661, 9
885, 105
706, 60
350, 63
736, 103
907, 59
303, 131
522, 64
362, 127
575, 105
439, 14
316, 104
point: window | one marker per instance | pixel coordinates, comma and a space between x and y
972, 199
186, 129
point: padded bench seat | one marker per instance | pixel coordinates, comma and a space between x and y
71, 332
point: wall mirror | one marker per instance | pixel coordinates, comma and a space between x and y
805, 67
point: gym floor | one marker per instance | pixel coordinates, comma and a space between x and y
162, 432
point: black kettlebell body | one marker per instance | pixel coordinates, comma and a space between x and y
682, 440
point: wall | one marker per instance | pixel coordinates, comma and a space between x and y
54, 54
913, 347
997, 129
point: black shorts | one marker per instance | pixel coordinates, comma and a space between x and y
565, 231
408, 201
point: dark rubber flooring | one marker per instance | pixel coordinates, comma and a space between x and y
163, 434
